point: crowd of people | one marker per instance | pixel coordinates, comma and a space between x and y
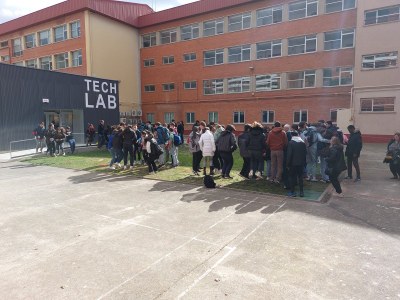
283, 155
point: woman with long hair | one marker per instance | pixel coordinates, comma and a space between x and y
336, 164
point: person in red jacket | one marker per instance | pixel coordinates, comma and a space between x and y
277, 141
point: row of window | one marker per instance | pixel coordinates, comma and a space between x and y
381, 104
44, 37
339, 39
61, 61
238, 117
339, 76
382, 15
266, 16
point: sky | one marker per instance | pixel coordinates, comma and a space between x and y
11, 9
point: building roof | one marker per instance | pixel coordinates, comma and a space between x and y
125, 12
188, 10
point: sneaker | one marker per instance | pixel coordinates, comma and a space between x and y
63, 154
313, 179
290, 194
125, 167
268, 178
195, 173
131, 168
258, 175
357, 179
348, 177
118, 165
277, 182
112, 168
251, 173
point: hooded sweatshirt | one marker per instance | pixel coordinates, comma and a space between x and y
296, 152
277, 139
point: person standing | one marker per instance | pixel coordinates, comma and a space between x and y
69, 138
181, 130
90, 133
394, 151
277, 141
194, 148
50, 140
39, 133
256, 147
162, 140
129, 138
101, 134
243, 141
60, 138
295, 163
226, 144
353, 150
336, 164
207, 147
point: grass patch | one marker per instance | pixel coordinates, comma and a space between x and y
98, 161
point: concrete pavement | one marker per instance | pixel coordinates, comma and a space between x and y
76, 235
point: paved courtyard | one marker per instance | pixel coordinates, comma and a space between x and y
68, 234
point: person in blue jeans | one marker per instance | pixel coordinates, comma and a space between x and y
69, 138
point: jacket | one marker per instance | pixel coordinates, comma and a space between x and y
194, 139
243, 141
226, 142
129, 137
50, 135
117, 141
335, 159
207, 143
354, 144
162, 135
256, 139
59, 137
277, 139
296, 152
40, 132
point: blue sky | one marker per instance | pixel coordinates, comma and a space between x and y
11, 9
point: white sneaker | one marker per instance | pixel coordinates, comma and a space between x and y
125, 167
131, 168
118, 165
112, 168
251, 173
258, 174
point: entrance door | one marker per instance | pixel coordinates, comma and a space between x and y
61, 118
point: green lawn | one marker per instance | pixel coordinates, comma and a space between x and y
98, 160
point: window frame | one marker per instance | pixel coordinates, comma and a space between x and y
342, 5
49, 63
218, 54
215, 86
377, 16
243, 83
311, 38
239, 116
168, 60
172, 36
272, 44
303, 79
342, 35
168, 87
16, 53
272, 10
340, 77
373, 99
33, 41
269, 121
48, 37
35, 64
4, 44
65, 33
149, 88
168, 117
191, 119
393, 53
79, 59
77, 29
300, 112
150, 62
195, 27
191, 87
242, 22
270, 81
217, 27
152, 37
213, 116
66, 60
306, 9
192, 57
243, 49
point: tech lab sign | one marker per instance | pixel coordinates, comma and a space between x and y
100, 94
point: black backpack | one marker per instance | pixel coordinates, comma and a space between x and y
209, 182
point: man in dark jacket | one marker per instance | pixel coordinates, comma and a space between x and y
353, 150
256, 148
100, 134
226, 144
295, 163
129, 139
39, 133
243, 141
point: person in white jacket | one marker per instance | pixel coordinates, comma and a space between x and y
207, 147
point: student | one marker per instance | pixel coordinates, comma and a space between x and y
353, 150
90, 133
295, 163
39, 133
152, 150
336, 164
60, 138
173, 149
394, 151
277, 141
207, 147
243, 143
256, 147
226, 144
128, 140
50, 140
69, 138
194, 148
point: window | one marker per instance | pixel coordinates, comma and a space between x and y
76, 58
239, 53
30, 41
150, 117
238, 117
377, 104
167, 60
333, 114
61, 60
189, 32
268, 116
168, 87
149, 62
339, 5
19, 63
382, 15
60, 33
338, 76
213, 117
3, 44
32, 63
150, 88
269, 49
168, 36
269, 16
239, 85
44, 37
75, 29
303, 9
190, 118
239, 22
381, 60
268, 82
46, 63
149, 40
5, 58
302, 44
168, 117
339, 39
300, 80
189, 56
190, 85
213, 27
17, 47
214, 57
300, 116
213, 86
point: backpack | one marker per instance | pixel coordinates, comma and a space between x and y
177, 140
310, 136
209, 182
